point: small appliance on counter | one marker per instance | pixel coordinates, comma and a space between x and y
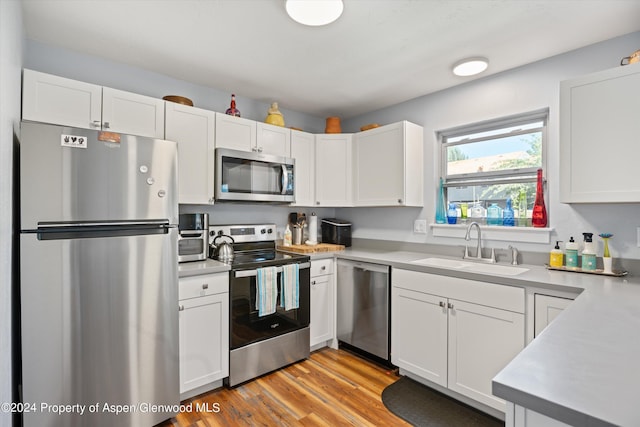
336, 231
193, 239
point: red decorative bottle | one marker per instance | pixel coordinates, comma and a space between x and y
539, 215
232, 110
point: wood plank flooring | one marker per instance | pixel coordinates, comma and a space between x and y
331, 388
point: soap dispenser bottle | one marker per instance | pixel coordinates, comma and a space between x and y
588, 253
571, 253
555, 256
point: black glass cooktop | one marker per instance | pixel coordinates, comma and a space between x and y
256, 259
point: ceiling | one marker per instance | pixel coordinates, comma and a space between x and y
378, 53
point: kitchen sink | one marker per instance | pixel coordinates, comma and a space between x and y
502, 270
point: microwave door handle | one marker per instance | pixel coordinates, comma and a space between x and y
285, 179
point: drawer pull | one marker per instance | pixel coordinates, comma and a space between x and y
450, 305
181, 308
205, 286
441, 303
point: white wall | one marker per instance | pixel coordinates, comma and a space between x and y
11, 36
92, 69
527, 88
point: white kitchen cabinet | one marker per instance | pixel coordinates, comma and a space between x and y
248, 135
598, 137
235, 132
303, 151
273, 139
133, 114
57, 100
333, 170
414, 347
322, 303
547, 308
194, 130
456, 333
523, 417
51, 99
388, 166
204, 332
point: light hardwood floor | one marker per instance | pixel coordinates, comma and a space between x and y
331, 388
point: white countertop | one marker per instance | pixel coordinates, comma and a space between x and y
196, 268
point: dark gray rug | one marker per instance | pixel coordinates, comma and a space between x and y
423, 406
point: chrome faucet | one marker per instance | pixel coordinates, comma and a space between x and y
514, 255
467, 237
478, 256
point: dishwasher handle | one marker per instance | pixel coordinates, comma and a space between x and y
365, 266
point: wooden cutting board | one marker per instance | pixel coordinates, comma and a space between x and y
308, 249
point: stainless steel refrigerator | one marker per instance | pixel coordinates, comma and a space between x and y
98, 277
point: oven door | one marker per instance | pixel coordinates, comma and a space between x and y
246, 327
245, 176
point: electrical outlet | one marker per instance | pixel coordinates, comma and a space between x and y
420, 226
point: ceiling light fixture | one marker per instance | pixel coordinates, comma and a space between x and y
470, 66
314, 12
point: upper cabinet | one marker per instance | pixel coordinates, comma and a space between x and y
388, 166
194, 130
57, 100
598, 137
248, 135
303, 151
273, 140
333, 170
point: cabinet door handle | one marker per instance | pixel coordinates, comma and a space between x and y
324, 267
449, 305
106, 125
400, 201
441, 303
313, 282
96, 124
181, 308
205, 286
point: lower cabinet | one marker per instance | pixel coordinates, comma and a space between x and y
456, 333
322, 303
517, 416
547, 308
204, 332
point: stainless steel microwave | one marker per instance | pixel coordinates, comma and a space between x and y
243, 176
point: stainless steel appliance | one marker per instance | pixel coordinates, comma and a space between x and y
336, 231
363, 307
253, 177
260, 344
193, 238
98, 276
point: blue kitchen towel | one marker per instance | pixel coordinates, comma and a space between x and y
267, 291
290, 286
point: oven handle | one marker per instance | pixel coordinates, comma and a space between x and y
251, 273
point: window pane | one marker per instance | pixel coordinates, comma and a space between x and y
495, 132
481, 197
499, 154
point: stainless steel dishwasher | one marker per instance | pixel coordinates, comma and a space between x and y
363, 307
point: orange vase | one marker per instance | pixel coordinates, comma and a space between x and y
333, 125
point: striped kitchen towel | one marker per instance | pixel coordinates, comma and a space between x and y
290, 286
267, 290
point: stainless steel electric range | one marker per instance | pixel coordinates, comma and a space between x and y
260, 344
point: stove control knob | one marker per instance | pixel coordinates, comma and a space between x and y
263, 231
212, 233
270, 231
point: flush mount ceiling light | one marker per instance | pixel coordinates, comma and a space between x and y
470, 66
314, 12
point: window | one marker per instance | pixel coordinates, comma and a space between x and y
486, 164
